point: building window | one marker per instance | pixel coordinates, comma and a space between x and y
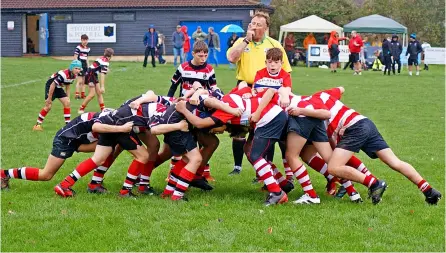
61, 17
128, 16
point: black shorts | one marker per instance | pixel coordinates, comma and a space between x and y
310, 128
84, 68
355, 57
91, 79
128, 141
58, 92
412, 61
274, 129
180, 142
363, 135
64, 148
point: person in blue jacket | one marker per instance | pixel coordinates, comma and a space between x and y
396, 48
413, 49
150, 42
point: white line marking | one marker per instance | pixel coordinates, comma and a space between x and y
20, 84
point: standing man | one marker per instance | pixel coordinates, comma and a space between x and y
333, 50
387, 55
355, 49
249, 54
289, 47
396, 48
199, 34
230, 43
178, 43
213, 44
150, 41
309, 40
413, 49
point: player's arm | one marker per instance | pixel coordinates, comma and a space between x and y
314, 113
148, 97
102, 82
99, 127
167, 128
176, 80
76, 53
266, 99
218, 105
194, 120
51, 91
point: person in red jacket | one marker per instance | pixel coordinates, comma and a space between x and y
333, 50
186, 47
355, 45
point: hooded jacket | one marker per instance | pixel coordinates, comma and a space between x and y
386, 48
333, 44
396, 48
151, 40
186, 46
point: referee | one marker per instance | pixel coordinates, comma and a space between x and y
249, 54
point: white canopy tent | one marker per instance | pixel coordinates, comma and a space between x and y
311, 23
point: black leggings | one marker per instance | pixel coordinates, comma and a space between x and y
397, 61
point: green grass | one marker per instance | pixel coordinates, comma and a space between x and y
409, 112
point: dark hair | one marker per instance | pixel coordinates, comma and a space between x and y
200, 46
274, 54
109, 52
84, 37
263, 15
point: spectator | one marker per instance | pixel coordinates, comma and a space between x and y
376, 42
30, 46
199, 34
289, 47
387, 55
309, 40
178, 43
356, 46
186, 47
396, 48
377, 64
160, 48
413, 49
230, 43
213, 44
325, 39
424, 46
150, 41
333, 50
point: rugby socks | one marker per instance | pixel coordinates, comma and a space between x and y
174, 161
288, 171
237, 151
319, 165
200, 172
77, 95
358, 165
83, 94
144, 180
424, 186
26, 173
348, 186
82, 108
281, 180
41, 116
369, 181
82, 169
264, 173
67, 114
302, 176
183, 181
102, 106
173, 178
99, 172
132, 174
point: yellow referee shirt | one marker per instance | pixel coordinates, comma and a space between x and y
254, 56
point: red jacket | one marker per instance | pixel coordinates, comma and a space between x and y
186, 45
334, 40
352, 47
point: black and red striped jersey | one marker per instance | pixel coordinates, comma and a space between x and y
62, 77
100, 65
80, 128
82, 52
187, 74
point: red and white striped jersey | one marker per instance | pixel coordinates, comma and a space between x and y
342, 116
62, 77
82, 52
100, 65
187, 74
249, 106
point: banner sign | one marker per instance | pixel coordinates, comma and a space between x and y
435, 55
97, 33
320, 53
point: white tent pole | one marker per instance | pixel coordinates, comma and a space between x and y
282, 35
